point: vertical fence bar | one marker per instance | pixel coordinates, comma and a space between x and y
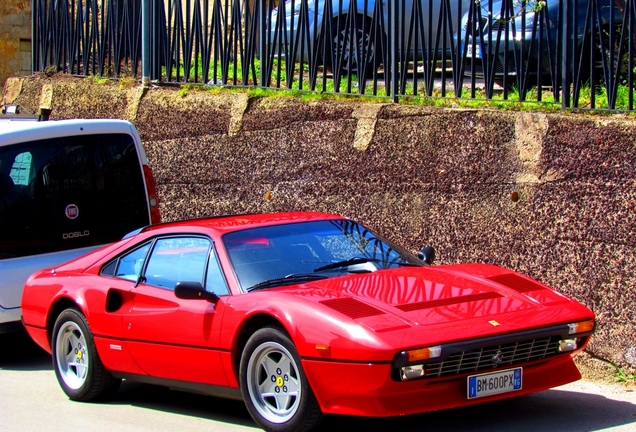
393, 69
631, 37
34, 41
565, 59
145, 42
261, 8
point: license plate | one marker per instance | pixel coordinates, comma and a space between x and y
470, 53
494, 383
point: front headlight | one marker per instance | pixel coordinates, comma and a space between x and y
297, 5
411, 372
577, 328
529, 21
568, 345
407, 371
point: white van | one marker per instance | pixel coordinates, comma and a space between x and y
66, 187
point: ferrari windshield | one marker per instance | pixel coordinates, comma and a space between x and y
282, 254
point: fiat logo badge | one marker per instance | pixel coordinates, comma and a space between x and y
71, 211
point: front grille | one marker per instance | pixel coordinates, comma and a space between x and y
480, 359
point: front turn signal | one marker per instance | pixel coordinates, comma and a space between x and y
423, 354
581, 327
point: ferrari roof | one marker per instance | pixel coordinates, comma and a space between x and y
230, 223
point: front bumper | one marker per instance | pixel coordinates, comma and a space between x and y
367, 389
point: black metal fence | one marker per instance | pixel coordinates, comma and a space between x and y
577, 53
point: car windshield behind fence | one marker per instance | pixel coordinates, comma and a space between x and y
330, 248
576, 54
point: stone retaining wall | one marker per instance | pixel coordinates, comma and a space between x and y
552, 196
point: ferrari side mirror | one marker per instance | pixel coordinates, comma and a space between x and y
194, 291
427, 254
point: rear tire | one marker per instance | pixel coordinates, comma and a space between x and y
77, 365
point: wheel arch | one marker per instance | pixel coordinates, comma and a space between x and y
304, 413
246, 330
59, 306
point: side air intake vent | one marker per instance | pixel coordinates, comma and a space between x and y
114, 301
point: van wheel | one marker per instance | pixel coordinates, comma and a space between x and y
274, 386
77, 366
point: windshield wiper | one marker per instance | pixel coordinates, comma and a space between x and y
287, 280
407, 264
345, 263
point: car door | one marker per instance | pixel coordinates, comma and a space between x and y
170, 337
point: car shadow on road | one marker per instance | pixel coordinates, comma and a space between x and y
161, 398
20, 353
551, 410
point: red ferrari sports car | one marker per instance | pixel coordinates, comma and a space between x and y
300, 315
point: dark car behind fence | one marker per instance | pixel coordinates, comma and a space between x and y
578, 53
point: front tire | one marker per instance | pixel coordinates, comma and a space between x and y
77, 365
274, 386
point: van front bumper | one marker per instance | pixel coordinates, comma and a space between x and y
10, 320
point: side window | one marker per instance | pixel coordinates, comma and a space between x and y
177, 259
21, 169
214, 280
130, 265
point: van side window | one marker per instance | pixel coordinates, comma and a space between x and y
69, 192
21, 169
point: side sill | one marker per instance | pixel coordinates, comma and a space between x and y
191, 387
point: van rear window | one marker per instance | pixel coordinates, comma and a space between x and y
70, 192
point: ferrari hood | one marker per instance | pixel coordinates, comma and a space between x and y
477, 297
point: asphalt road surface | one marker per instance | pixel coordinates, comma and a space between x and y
31, 400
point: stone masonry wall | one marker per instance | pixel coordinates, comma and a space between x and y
15, 25
551, 196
